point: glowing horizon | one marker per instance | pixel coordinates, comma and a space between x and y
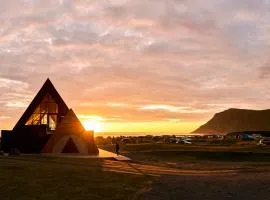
101, 125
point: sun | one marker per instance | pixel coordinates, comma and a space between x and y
92, 125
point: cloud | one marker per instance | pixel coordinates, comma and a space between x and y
4, 117
185, 59
8, 83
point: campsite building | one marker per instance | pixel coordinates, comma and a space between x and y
49, 126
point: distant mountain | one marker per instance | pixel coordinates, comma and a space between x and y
237, 120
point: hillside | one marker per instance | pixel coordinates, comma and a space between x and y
236, 120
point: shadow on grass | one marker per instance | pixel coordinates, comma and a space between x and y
37, 177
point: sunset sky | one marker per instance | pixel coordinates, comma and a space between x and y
136, 65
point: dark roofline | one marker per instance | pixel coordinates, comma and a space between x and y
47, 87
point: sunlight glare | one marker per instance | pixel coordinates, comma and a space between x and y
91, 125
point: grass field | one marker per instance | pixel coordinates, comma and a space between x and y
180, 153
38, 177
156, 172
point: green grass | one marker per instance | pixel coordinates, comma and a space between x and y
169, 147
37, 177
41, 178
180, 153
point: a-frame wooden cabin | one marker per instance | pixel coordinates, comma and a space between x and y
39, 122
47, 108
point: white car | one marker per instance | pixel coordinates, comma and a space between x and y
183, 141
265, 141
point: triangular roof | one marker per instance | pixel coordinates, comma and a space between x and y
69, 126
47, 88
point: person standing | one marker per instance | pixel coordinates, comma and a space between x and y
117, 147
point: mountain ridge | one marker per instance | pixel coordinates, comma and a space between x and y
236, 120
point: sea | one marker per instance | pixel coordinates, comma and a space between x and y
117, 134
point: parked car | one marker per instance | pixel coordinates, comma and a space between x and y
184, 141
187, 142
264, 141
247, 137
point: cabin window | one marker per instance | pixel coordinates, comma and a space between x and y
45, 113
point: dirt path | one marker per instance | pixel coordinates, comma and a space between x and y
237, 187
250, 183
144, 169
202, 169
